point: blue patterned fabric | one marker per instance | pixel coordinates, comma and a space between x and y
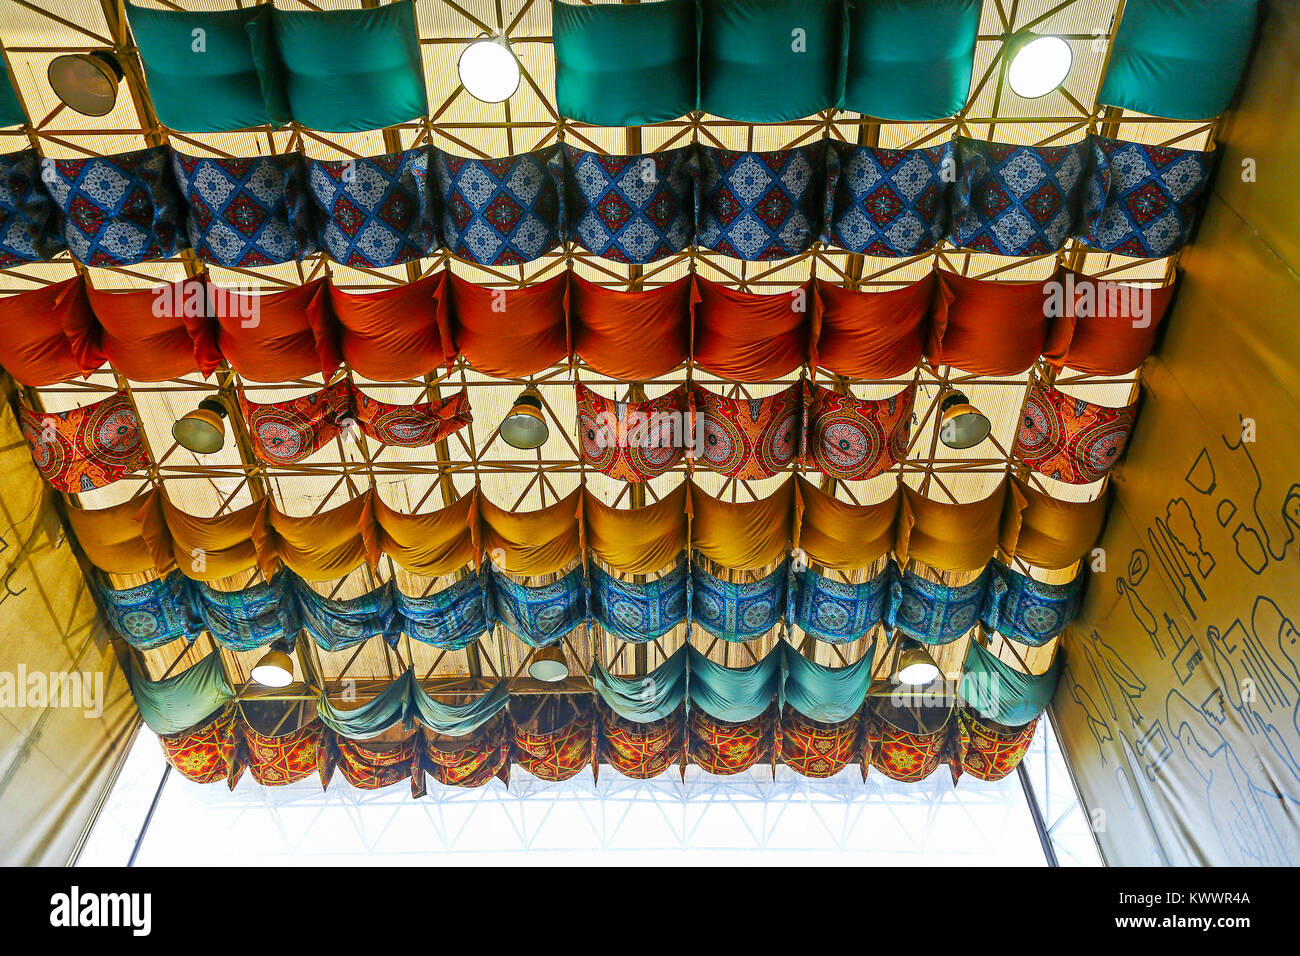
538, 615
1142, 200
500, 212
633, 209
339, 623
117, 210
375, 212
738, 611
935, 613
834, 611
1026, 610
890, 202
151, 614
1017, 200
451, 619
251, 618
760, 206
246, 212
638, 612
29, 229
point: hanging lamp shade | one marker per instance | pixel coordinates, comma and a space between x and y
488, 69
915, 667
86, 82
202, 431
275, 667
1037, 65
525, 426
961, 424
548, 664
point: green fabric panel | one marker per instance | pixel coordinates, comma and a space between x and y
750, 69
1179, 59
352, 70
457, 720
733, 693
644, 699
373, 717
1002, 693
626, 64
910, 59
11, 111
217, 87
173, 704
829, 694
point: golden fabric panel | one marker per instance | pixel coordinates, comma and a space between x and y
429, 544
637, 540
533, 542
742, 535
947, 536
112, 538
324, 546
206, 549
1047, 532
840, 535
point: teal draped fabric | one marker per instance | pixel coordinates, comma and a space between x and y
829, 694
1002, 693
910, 59
1179, 59
11, 112
734, 693
644, 699
173, 704
404, 701
457, 720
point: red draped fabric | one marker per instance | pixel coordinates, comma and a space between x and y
633, 336
283, 433
632, 441
278, 336
815, 749
275, 761
640, 751
722, 747
857, 438
207, 753
88, 447
989, 750
902, 755
749, 438
1111, 327
472, 760
751, 338
1069, 439
507, 333
393, 334
556, 752
872, 334
49, 334
411, 426
988, 328
151, 335
372, 765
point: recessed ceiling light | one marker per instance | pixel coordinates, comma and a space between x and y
1039, 66
488, 70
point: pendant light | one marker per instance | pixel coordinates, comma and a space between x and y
488, 69
914, 667
1037, 64
202, 431
548, 664
275, 668
961, 424
525, 426
86, 82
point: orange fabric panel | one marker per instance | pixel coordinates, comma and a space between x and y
1047, 532
637, 540
279, 336
948, 536
841, 535
532, 542
431, 544
325, 546
872, 334
986, 327
1111, 327
508, 333
742, 535
113, 538
49, 335
633, 336
206, 549
151, 335
393, 334
745, 337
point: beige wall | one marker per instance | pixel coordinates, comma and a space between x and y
1180, 704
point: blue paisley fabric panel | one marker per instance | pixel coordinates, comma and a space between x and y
29, 227
837, 612
250, 618
638, 612
450, 619
890, 202
117, 210
539, 615
761, 206
936, 613
337, 624
1017, 200
498, 212
246, 212
738, 611
152, 614
375, 212
1026, 610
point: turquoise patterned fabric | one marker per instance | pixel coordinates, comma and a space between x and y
736, 611
451, 619
250, 618
339, 623
538, 615
1002, 693
638, 612
1026, 610
734, 693
836, 612
644, 699
177, 703
149, 615
935, 613
830, 694
29, 225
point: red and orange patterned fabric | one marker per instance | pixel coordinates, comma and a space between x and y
286, 432
370, 765
902, 755
207, 754
989, 750
469, 761
555, 753
632, 441
749, 438
411, 426
1069, 439
640, 751
286, 758
86, 448
724, 748
815, 749
856, 438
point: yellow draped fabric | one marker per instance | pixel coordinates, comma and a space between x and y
840, 535
111, 537
324, 546
947, 536
1047, 532
532, 542
206, 549
637, 540
429, 544
745, 534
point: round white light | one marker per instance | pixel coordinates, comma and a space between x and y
919, 674
1039, 67
488, 70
